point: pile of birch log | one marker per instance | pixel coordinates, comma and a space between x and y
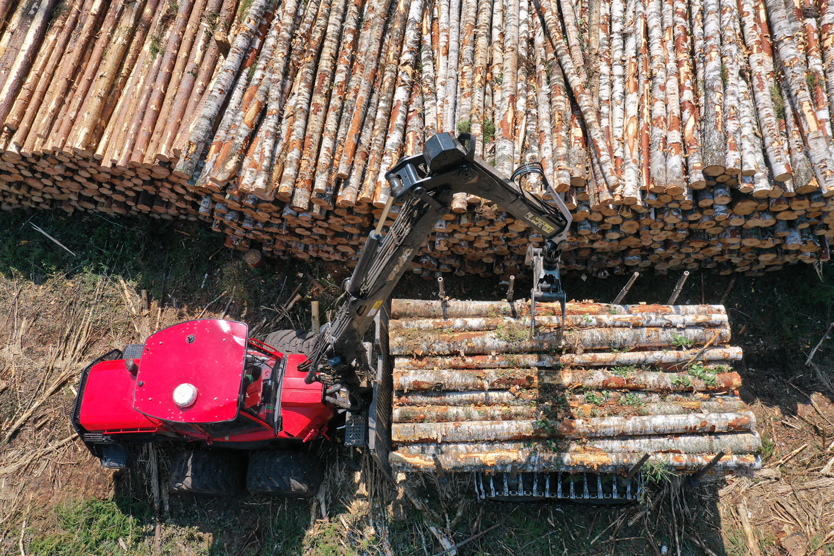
681, 133
97, 97
472, 390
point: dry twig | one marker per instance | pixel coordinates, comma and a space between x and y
788, 458
752, 543
58, 243
816, 347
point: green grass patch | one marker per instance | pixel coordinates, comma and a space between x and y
658, 472
96, 527
632, 399
703, 373
510, 332
682, 380
681, 341
624, 370
596, 398
172, 260
778, 101
768, 448
155, 47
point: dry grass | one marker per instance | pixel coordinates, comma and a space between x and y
48, 334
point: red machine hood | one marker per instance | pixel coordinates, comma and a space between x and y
206, 354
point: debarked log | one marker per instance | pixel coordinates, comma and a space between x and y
522, 458
406, 380
515, 340
491, 431
419, 309
554, 322
664, 359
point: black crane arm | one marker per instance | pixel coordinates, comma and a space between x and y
425, 185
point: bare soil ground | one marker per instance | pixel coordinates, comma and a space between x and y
59, 311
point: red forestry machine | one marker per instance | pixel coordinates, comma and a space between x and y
539, 398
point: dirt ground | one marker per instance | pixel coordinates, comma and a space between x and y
58, 311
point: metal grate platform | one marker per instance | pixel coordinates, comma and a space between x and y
356, 429
579, 487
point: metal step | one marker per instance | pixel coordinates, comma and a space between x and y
133, 351
588, 488
356, 429
113, 456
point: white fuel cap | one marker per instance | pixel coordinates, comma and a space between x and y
185, 395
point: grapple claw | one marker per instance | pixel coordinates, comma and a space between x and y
547, 284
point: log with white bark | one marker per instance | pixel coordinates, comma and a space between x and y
268, 70
827, 44
449, 94
428, 76
560, 109
469, 18
777, 157
365, 68
689, 106
350, 32
795, 71
714, 137
657, 48
631, 131
814, 60
388, 69
205, 123
399, 107
730, 75
479, 74
505, 121
306, 75
318, 107
543, 105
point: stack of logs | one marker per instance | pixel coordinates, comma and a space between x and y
472, 390
681, 133
97, 98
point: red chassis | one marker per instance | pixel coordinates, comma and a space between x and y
203, 381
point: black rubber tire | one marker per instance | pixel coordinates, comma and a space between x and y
292, 341
284, 473
209, 473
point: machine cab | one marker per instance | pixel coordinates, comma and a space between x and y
203, 380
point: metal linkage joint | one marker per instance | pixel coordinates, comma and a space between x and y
547, 284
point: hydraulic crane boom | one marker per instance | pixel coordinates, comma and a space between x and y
425, 185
